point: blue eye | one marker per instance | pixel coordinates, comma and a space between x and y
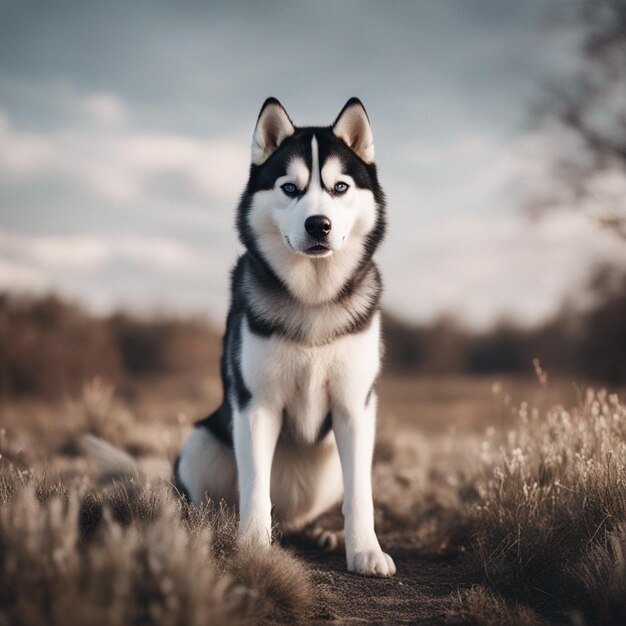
340, 187
290, 189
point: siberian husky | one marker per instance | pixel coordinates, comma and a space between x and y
301, 352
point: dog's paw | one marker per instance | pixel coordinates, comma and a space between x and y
327, 540
372, 563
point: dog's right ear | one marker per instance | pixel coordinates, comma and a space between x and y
272, 127
353, 127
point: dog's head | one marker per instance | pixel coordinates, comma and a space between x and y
313, 195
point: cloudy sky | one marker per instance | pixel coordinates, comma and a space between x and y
125, 129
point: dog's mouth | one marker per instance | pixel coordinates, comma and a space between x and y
317, 250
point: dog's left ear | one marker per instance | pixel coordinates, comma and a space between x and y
353, 126
272, 127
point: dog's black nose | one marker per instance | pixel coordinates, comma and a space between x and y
317, 226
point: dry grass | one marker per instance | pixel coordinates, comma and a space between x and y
75, 552
527, 510
133, 555
552, 509
538, 509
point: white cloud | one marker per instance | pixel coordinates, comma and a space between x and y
22, 154
483, 267
120, 166
466, 146
82, 254
104, 108
107, 272
19, 276
215, 169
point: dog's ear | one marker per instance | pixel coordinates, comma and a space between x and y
353, 126
272, 127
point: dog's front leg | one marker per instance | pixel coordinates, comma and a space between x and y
256, 431
354, 431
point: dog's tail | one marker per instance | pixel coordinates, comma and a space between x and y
112, 463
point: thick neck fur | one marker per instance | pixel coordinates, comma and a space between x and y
318, 318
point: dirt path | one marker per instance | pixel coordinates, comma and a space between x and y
421, 592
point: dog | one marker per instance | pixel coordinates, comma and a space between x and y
302, 347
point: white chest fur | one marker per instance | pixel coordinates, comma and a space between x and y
305, 383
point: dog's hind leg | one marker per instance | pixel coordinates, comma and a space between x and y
306, 482
206, 468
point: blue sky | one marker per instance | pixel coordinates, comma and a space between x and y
125, 130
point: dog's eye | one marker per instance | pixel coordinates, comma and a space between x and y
290, 189
340, 187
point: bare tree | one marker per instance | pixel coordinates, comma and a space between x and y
586, 117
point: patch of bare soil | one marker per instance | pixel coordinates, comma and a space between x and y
418, 594
422, 592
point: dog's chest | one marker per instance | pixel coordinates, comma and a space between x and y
305, 392
294, 380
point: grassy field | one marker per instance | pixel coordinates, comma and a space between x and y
500, 501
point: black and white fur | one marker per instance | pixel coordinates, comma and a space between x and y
302, 346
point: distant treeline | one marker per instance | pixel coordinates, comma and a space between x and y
49, 347
587, 341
